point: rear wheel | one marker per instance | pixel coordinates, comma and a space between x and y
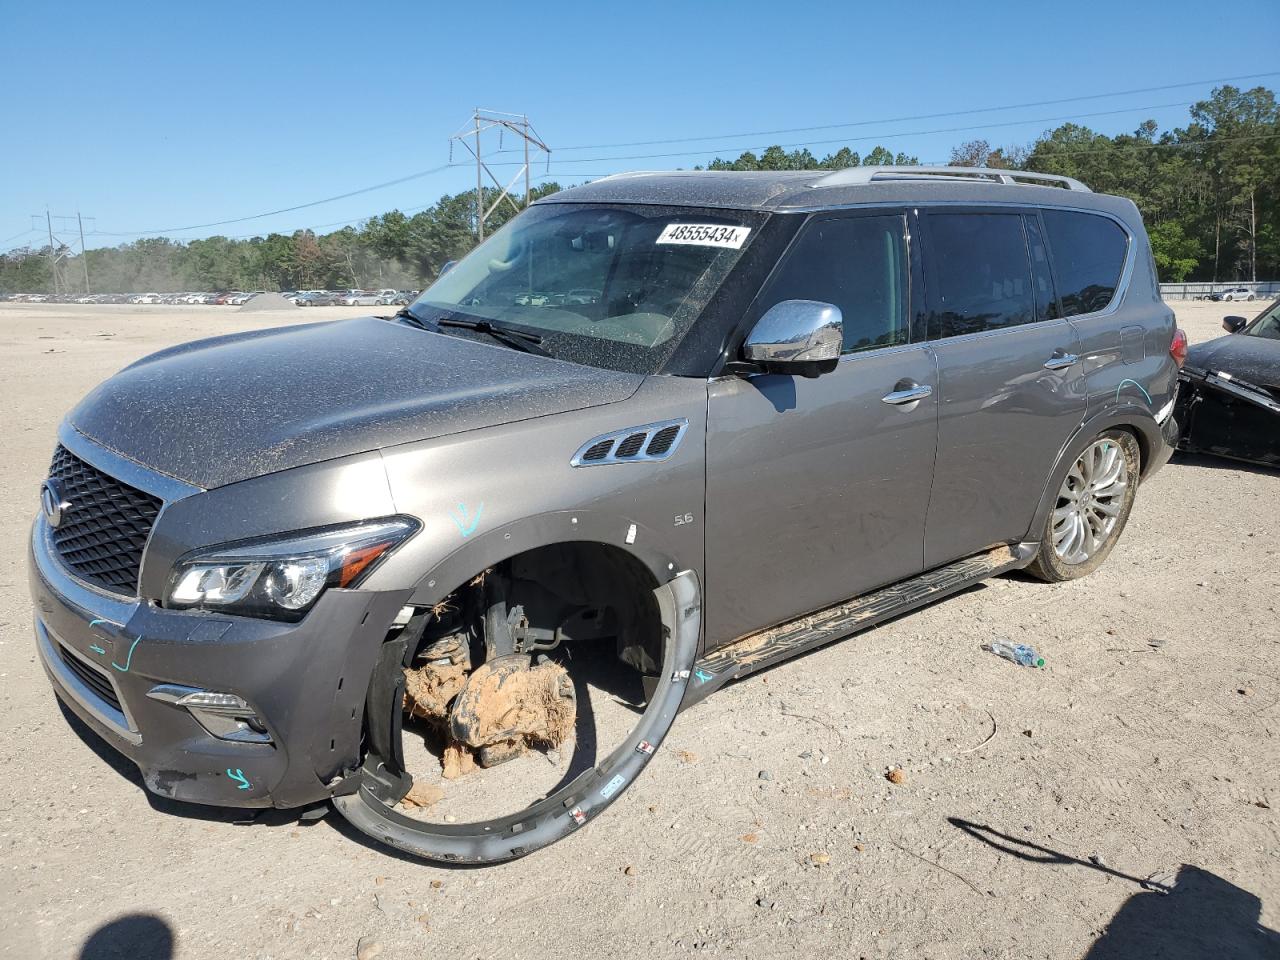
1092, 507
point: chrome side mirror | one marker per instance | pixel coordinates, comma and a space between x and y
800, 337
1234, 324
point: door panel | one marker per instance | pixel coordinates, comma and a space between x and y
1002, 419
1011, 381
816, 489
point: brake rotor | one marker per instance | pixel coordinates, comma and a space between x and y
508, 705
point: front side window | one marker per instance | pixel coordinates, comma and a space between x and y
1088, 258
860, 265
613, 286
980, 274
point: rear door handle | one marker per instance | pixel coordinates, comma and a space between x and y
1061, 361
908, 395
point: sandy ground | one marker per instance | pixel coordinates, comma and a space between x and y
1034, 804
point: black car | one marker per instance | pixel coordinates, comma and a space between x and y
1229, 401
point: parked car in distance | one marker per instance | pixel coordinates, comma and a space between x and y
809, 402
1234, 293
359, 298
316, 299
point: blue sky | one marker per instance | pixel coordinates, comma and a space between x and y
149, 117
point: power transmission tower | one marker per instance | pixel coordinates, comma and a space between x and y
59, 250
516, 123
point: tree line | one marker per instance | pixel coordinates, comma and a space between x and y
1209, 193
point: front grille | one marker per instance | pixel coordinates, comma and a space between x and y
95, 679
105, 527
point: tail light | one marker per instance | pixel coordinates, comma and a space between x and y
1178, 348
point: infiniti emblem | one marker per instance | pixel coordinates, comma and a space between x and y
52, 502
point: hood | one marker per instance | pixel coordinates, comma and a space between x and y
1255, 359
217, 411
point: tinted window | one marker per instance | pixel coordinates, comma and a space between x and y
1088, 255
859, 264
981, 277
1046, 302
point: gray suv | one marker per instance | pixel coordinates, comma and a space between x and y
458, 569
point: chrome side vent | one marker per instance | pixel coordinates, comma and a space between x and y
645, 444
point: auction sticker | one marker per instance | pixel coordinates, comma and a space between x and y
704, 235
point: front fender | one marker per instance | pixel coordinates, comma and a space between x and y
487, 495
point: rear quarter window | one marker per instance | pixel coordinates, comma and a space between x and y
1088, 257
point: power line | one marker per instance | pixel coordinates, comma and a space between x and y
425, 173
921, 116
272, 213
702, 151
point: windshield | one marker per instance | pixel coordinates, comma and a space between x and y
609, 286
1267, 325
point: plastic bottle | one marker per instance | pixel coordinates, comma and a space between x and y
1019, 653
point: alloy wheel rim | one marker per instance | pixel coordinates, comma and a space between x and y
1090, 501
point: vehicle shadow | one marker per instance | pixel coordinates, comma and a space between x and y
136, 936
1182, 458
1190, 915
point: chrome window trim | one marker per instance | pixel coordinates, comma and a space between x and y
118, 720
617, 436
1117, 299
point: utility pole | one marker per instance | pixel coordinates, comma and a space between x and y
53, 254
59, 250
84, 254
517, 123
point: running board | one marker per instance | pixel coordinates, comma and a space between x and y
769, 647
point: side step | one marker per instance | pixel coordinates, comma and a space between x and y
769, 647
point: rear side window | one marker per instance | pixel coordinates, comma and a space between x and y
980, 274
860, 265
1088, 257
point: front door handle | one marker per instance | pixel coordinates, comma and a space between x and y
1061, 361
912, 394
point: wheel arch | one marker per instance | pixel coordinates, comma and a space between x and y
1130, 417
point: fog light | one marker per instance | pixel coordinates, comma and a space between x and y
223, 715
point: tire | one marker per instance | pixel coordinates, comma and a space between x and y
1092, 507
1251, 298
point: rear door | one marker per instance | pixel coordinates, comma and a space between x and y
1011, 386
817, 488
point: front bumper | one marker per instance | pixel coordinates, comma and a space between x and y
305, 681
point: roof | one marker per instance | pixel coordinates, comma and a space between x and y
785, 191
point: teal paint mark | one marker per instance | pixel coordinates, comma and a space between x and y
702, 676
467, 526
238, 776
1120, 386
127, 660
94, 623
97, 649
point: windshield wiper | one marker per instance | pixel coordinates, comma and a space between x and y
517, 339
411, 318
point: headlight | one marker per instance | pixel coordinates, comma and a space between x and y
281, 578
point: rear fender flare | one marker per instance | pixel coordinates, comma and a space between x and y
1130, 416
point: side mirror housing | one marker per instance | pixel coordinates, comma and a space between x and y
1234, 324
798, 337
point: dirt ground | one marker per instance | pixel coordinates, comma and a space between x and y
1034, 804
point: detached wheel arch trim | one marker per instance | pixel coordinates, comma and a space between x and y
561, 813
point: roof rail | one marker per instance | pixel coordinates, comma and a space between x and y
856, 175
